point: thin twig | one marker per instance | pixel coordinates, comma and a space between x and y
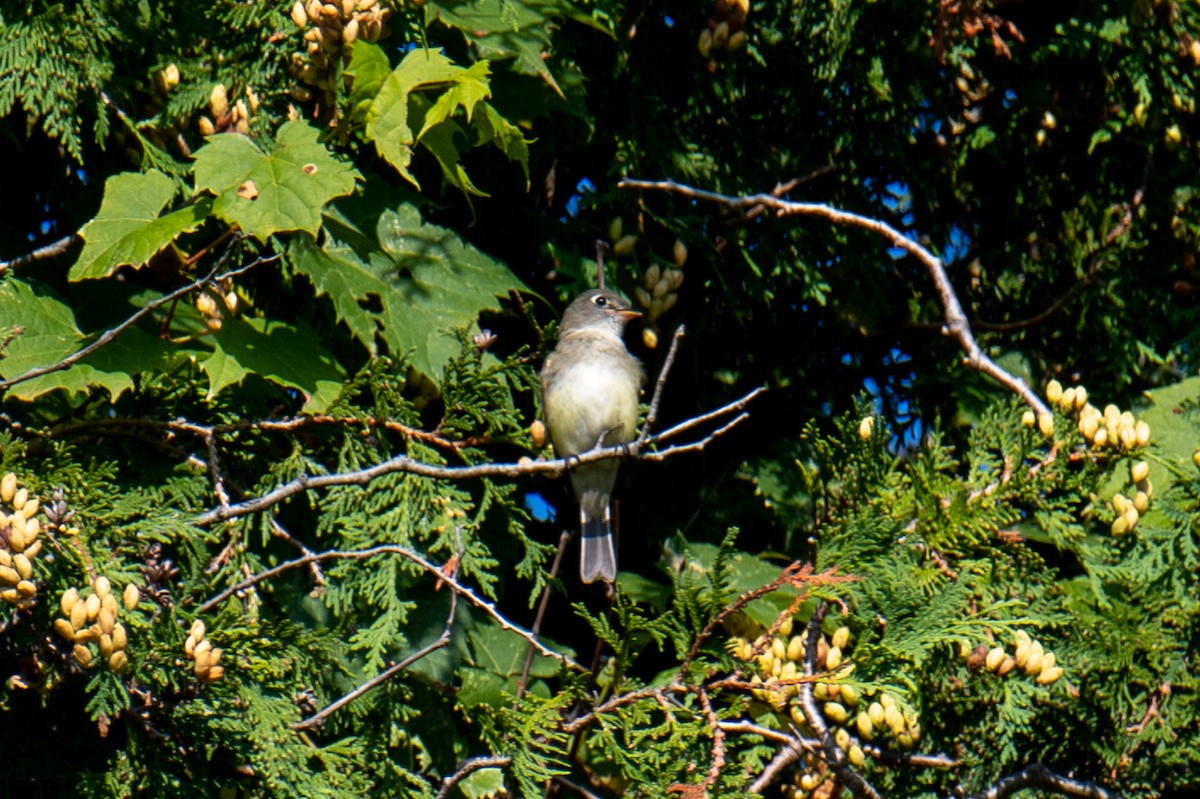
1151, 711
955, 320
268, 425
1038, 776
798, 575
652, 415
279, 531
393, 549
317, 719
405, 464
468, 767
51, 250
579, 789
830, 751
601, 249
215, 471
718, 745
913, 759
783, 188
791, 752
695, 446
543, 604
696, 421
110, 334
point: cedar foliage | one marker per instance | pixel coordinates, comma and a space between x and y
354, 273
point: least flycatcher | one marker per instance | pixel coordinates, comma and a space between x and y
590, 387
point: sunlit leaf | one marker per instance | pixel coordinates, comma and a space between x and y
128, 230
424, 278
291, 184
290, 355
46, 333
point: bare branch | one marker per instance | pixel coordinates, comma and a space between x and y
696, 421
955, 320
108, 335
317, 719
831, 752
279, 531
601, 251
405, 464
469, 766
695, 446
1038, 776
394, 549
718, 745
577, 788
652, 415
267, 425
52, 250
792, 751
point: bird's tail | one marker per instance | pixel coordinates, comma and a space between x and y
598, 557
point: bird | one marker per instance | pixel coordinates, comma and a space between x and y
590, 390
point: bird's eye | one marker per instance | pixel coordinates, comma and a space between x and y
600, 301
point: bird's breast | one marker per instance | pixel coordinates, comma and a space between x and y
596, 397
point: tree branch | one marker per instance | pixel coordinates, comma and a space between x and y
469, 766
405, 464
107, 336
52, 250
1038, 776
317, 719
668, 362
393, 549
955, 322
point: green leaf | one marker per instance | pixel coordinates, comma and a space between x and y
503, 30
441, 142
388, 116
405, 103
287, 354
128, 230
265, 194
424, 278
1174, 422
48, 333
470, 88
492, 128
368, 68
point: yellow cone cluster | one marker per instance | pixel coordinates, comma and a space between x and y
1029, 657
1110, 429
813, 780
851, 716
622, 242
724, 29
206, 659
329, 28
1128, 508
225, 116
1109, 432
90, 622
19, 544
207, 299
660, 291
167, 78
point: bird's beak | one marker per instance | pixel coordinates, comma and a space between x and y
629, 314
